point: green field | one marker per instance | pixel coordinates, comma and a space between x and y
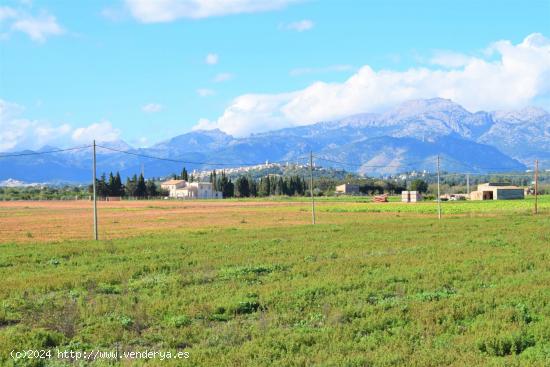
388, 285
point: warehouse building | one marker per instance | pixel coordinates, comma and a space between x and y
497, 191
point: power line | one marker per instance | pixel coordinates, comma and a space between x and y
193, 162
41, 153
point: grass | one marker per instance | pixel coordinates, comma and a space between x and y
395, 288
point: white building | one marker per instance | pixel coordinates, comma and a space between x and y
182, 189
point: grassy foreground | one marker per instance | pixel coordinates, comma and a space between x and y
378, 289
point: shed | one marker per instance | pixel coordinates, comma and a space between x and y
348, 189
410, 196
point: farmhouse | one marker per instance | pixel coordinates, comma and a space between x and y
347, 189
182, 189
497, 191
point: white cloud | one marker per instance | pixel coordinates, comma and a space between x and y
37, 27
205, 92
147, 11
223, 77
514, 78
300, 26
152, 108
211, 59
204, 124
100, 131
18, 133
326, 69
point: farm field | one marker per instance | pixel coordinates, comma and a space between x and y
252, 283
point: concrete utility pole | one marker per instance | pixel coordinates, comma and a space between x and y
438, 190
468, 184
311, 187
536, 185
95, 199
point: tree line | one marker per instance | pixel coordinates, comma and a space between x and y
136, 186
245, 186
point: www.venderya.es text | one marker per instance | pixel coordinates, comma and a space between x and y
92, 355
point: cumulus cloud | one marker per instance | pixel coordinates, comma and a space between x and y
152, 108
37, 27
512, 76
18, 133
300, 26
100, 131
204, 124
205, 92
147, 11
211, 59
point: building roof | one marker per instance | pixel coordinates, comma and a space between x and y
500, 186
172, 182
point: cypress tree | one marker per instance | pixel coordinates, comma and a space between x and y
141, 189
119, 191
184, 175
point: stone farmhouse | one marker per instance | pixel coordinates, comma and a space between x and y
181, 189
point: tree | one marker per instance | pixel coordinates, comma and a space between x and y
253, 187
151, 188
141, 188
102, 188
419, 185
184, 175
214, 180
265, 188
131, 185
119, 190
226, 186
242, 187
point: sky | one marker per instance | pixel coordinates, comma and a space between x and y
144, 71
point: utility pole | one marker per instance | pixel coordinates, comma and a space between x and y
311, 187
536, 185
468, 184
438, 190
95, 199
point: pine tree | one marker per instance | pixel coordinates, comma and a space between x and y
151, 188
226, 186
101, 186
131, 186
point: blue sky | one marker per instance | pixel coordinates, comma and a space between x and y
138, 70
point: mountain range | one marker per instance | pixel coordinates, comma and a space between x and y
408, 137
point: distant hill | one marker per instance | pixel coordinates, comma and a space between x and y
408, 137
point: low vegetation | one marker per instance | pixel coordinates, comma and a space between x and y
397, 288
